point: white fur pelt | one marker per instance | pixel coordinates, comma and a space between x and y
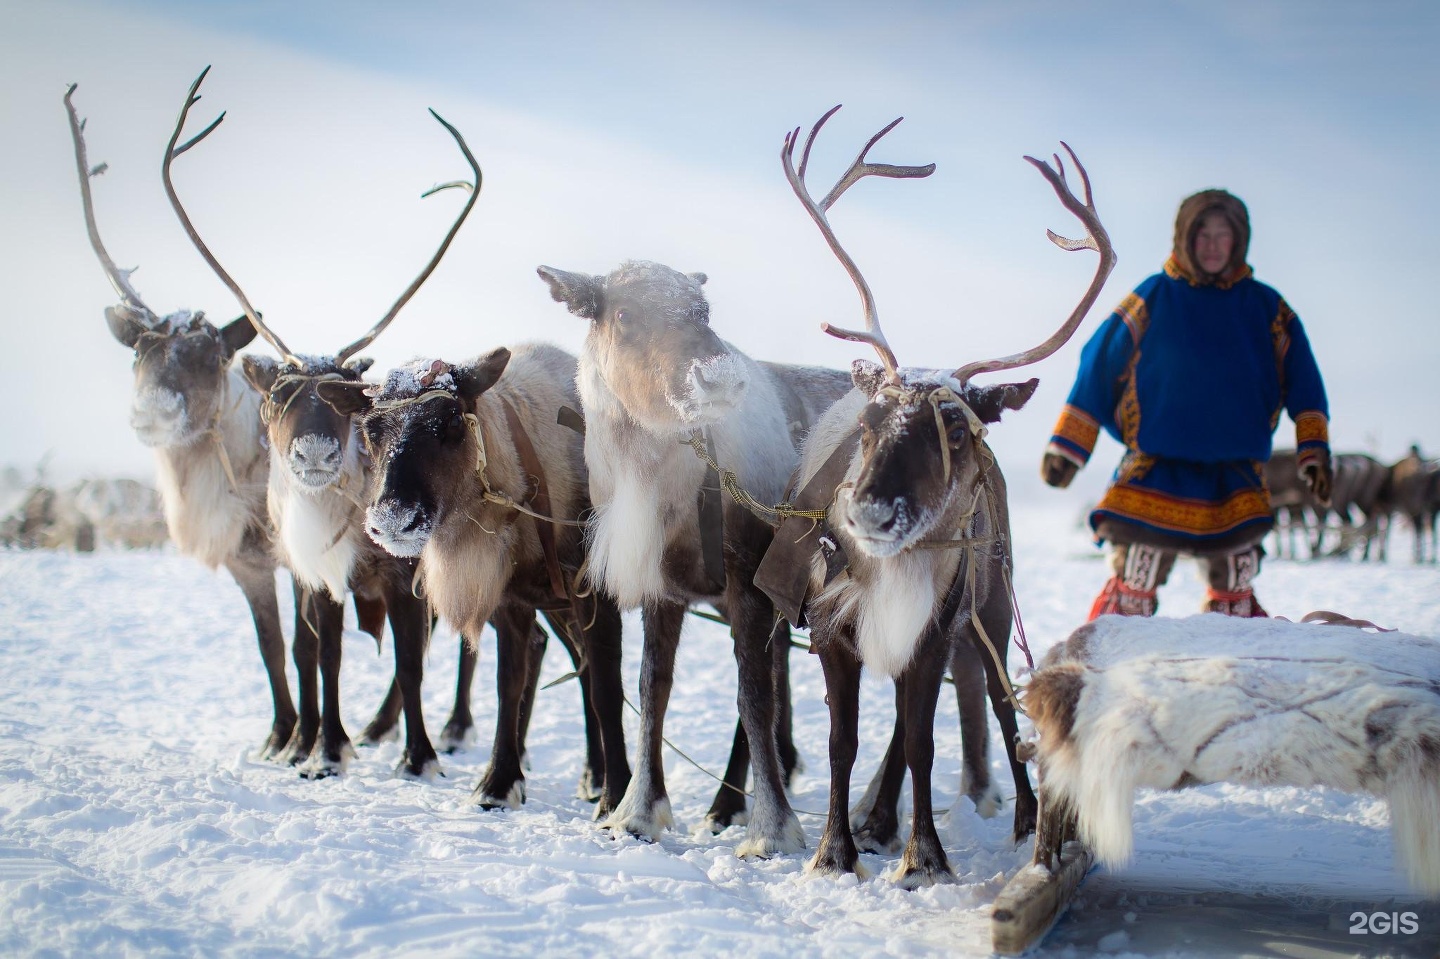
1128, 702
206, 515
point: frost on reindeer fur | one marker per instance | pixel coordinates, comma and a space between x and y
411, 380
1165, 704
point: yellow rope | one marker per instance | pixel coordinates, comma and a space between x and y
731, 484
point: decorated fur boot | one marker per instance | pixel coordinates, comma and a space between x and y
1121, 600
1239, 603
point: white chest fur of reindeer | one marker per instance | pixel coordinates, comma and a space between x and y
1127, 703
208, 508
651, 373
316, 526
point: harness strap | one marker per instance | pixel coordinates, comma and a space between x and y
530, 463
784, 571
710, 504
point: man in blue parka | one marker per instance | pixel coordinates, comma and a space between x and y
1191, 372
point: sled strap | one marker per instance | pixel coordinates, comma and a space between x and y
784, 571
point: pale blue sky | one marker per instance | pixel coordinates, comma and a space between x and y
652, 131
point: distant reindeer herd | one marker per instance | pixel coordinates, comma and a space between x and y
1366, 498
652, 471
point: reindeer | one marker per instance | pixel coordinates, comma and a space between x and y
1416, 485
914, 553
463, 452
202, 420
317, 476
654, 379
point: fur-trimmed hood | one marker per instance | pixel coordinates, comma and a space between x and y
1193, 209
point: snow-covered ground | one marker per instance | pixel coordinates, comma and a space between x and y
134, 822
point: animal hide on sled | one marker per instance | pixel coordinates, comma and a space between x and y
1128, 702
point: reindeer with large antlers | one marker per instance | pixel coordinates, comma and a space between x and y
914, 555
194, 409
317, 475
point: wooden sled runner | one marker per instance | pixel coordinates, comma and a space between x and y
1037, 896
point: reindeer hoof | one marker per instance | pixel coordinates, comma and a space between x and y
426, 771
641, 819
836, 864
456, 737
875, 840
375, 735
717, 822
487, 800
589, 789
273, 749
922, 878
781, 839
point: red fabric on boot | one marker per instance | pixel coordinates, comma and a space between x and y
1120, 600
1240, 603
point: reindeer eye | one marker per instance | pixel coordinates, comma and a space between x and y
621, 316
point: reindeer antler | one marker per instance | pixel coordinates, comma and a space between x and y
171, 152
1095, 239
120, 279
474, 190
858, 170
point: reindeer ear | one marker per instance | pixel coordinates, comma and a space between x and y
359, 364
345, 397
260, 371
698, 277
472, 380
868, 376
580, 292
123, 324
989, 402
236, 335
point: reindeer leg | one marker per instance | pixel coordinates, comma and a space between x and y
728, 808
332, 748
257, 581
607, 700
645, 808
592, 777
967, 670
996, 618
790, 760
386, 724
306, 651
924, 862
539, 641
410, 629
370, 614
503, 784
876, 817
836, 853
773, 828
460, 727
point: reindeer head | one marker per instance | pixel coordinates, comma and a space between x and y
921, 432
309, 435
421, 431
650, 341
181, 369
181, 360
922, 452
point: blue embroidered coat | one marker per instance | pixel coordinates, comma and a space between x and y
1192, 379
